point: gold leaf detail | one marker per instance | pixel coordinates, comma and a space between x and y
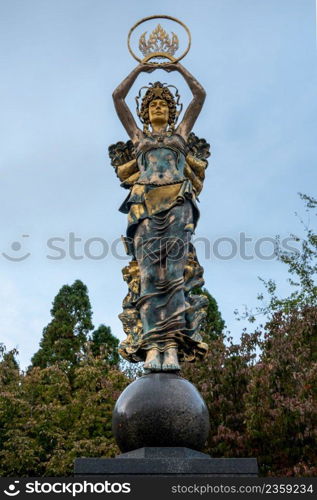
158, 41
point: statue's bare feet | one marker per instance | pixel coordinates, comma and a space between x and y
153, 361
170, 361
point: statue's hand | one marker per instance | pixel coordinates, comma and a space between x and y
147, 68
170, 67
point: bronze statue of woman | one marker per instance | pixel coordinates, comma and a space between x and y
163, 167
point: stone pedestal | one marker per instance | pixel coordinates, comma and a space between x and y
166, 461
160, 409
161, 424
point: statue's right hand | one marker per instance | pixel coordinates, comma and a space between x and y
147, 68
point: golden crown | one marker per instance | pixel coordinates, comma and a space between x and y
159, 44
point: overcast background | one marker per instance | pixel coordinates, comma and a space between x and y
60, 60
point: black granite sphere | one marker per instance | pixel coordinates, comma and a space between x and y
160, 409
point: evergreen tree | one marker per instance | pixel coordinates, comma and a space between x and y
65, 336
213, 324
9, 368
104, 344
10, 395
51, 421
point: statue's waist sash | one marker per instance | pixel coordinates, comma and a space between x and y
145, 201
162, 198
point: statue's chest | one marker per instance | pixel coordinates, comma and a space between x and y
161, 165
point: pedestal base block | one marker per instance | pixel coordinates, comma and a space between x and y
166, 461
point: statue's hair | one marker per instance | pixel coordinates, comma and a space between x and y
158, 90
153, 93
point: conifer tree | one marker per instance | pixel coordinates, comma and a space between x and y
213, 324
65, 336
104, 344
9, 368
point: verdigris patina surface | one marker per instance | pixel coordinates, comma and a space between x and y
163, 166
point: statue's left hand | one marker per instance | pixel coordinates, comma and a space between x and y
147, 68
170, 67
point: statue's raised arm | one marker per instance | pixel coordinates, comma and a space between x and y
122, 108
192, 112
190, 116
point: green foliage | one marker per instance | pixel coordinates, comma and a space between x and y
51, 420
264, 406
61, 408
65, 336
103, 343
213, 325
9, 389
9, 368
223, 379
261, 392
302, 268
281, 400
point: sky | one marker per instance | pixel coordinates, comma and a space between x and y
60, 61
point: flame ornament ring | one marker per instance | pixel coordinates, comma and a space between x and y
159, 44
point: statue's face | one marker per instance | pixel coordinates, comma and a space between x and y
158, 111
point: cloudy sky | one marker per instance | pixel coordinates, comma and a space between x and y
60, 60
